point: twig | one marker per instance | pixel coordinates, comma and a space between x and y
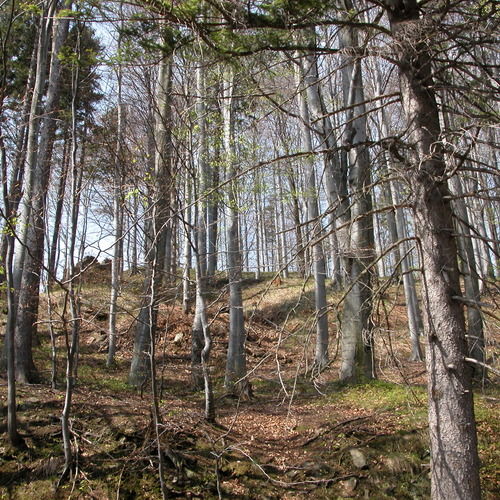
287, 484
484, 365
339, 424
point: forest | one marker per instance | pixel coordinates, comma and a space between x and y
249, 249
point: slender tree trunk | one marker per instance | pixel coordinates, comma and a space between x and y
29, 264
17, 174
212, 217
118, 215
200, 369
475, 334
398, 230
72, 343
147, 319
202, 168
134, 236
258, 222
282, 226
61, 189
299, 250
188, 243
357, 340
319, 267
413, 311
455, 463
8, 214
335, 175
235, 381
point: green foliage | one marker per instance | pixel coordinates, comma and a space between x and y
31, 8
18, 48
87, 59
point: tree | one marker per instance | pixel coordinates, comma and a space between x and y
29, 254
319, 267
118, 215
455, 465
357, 336
235, 381
158, 214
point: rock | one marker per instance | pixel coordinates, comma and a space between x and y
358, 458
190, 474
178, 338
348, 486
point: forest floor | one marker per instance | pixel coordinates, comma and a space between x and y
299, 436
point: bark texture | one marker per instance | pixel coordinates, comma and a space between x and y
455, 464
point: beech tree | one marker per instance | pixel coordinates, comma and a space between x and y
303, 181
158, 214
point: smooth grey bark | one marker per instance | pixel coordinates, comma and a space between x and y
8, 214
17, 174
483, 245
213, 217
315, 236
72, 342
393, 230
158, 218
118, 216
335, 176
413, 311
283, 238
34, 120
399, 233
134, 235
197, 331
279, 222
200, 250
12, 431
235, 381
356, 328
475, 333
61, 189
200, 369
29, 257
258, 222
187, 250
202, 168
299, 251
454, 458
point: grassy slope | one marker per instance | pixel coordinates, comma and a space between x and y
294, 439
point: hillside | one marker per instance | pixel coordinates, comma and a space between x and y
300, 435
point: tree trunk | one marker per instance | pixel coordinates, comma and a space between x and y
202, 169
155, 258
118, 217
61, 189
475, 334
455, 463
28, 264
72, 342
213, 216
335, 175
356, 330
188, 243
299, 249
235, 381
319, 267
413, 311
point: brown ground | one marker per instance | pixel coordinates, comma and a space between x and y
294, 439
